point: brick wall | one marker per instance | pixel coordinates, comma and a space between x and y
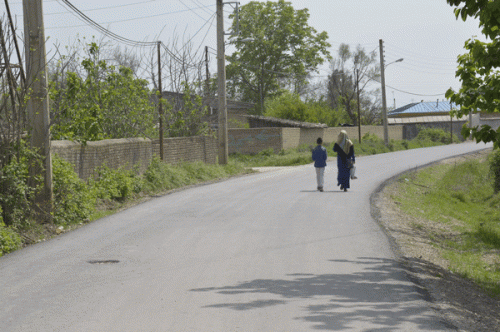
290, 137
254, 140
196, 148
129, 152
308, 136
331, 134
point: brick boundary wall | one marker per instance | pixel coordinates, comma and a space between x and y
254, 140
129, 152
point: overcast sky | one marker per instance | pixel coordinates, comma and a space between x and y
425, 32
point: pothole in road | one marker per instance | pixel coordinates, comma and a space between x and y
104, 261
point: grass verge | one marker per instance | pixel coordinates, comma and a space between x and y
370, 144
462, 213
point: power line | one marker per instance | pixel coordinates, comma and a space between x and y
105, 31
103, 8
124, 20
116, 37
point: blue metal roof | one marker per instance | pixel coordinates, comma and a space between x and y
430, 107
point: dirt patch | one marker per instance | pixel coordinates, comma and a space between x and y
457, 300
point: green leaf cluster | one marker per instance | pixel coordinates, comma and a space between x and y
478, 69
74, 201
436, 135
495, 170
284, 51
9, 239
15, 192
189, 118
290, 106
115, 184
108, 102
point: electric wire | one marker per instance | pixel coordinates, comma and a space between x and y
104, 8
123, 20
121, 39
105, 31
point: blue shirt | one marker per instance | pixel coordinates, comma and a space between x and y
319, 156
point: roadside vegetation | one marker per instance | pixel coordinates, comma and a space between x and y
370, 144
463, 202
77, 202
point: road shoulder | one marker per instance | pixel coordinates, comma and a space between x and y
457, 300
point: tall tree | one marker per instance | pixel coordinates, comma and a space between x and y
478, 69
341, 84
284, 51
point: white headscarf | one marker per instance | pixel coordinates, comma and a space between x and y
344, 142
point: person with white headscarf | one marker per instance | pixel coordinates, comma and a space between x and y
345, 160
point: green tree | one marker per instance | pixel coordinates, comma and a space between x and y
284, 51
341, 84
186, 117
478, 69
108, 102
290, 106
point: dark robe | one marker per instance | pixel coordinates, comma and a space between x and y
344, 175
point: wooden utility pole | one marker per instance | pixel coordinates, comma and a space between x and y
160, 108
221, 91
384, 102
38, 104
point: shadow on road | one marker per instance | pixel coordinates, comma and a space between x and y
326, 191
377, 296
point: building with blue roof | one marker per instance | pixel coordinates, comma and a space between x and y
436, 108
416, 116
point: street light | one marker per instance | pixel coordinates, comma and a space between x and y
384, 102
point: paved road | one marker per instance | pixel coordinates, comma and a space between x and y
263, 252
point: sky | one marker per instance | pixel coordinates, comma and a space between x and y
425, 33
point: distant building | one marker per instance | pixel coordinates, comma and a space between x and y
417, 116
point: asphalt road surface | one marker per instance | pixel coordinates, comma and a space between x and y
263, 252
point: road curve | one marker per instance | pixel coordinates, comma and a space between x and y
263, 252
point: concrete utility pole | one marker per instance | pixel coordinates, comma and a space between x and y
160, 108
384, 102
221, 91
359, 111
38, 103
207, 75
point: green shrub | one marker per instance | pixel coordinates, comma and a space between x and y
116, 184
494, 161
14, 189
162, 176
74, 201
266, 152
9, 239
435, 135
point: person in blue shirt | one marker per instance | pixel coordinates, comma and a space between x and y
319, 156
345, 160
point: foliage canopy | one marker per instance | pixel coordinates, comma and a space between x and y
478, 69
284, 51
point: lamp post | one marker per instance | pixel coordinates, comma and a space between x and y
384, 101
